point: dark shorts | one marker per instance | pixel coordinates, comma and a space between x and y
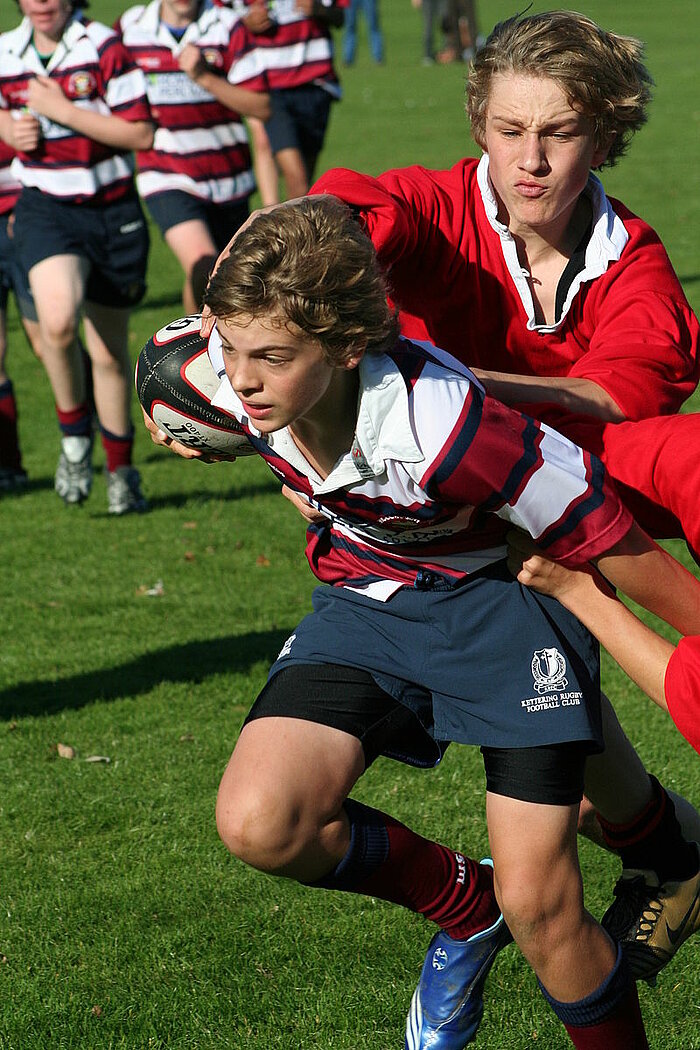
299, 119
349, 699
488, 662
112, 237
13, 276
172, 207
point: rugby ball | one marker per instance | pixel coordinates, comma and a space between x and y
175, 382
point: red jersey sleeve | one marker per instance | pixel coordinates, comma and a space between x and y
643, 336
682, 688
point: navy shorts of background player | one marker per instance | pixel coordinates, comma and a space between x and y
112, 236
13, 276
171, 207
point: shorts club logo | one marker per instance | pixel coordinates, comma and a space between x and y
285, 650
548, 670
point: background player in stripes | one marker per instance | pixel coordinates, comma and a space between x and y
73, 106
197, 177
12, 278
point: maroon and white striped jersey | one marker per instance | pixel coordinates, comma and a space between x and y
437, 473
297, 50
95, 73
200, 146
10, 188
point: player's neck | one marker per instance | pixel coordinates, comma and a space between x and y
326, 433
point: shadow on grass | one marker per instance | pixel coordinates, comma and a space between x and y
191, 664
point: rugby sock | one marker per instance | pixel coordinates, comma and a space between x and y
117, 449
10, 456
653, 841
607, 1019
386, 859
77, 422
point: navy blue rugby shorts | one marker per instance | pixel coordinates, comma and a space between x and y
488, 662
112, 237
171, 207
13, 276
299, 119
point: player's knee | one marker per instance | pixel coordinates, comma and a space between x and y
539, 910
58, 331
258, 828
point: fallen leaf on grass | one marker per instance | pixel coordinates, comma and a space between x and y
151, 592
96, 1011
190, 556
262, 560
186, 738
189, 524
65, 751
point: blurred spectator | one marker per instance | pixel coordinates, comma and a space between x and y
370, 9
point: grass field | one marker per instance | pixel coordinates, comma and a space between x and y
124, 925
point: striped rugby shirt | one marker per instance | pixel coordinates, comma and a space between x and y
10, 188
95, 72
200, 146
296, 51
437, 473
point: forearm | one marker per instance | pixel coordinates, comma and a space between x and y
248, 103
6, 126
108, 129
641, 653
580, 396
651, 577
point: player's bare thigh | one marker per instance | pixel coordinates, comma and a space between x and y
189, 241
280, 800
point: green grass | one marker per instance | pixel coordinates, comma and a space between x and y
123, 922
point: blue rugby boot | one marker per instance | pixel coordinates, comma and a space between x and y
448, 1004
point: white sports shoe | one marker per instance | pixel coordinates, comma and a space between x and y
124, 491
73, 479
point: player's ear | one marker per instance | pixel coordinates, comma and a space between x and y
601, 154
353, 356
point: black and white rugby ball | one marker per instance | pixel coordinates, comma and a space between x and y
175, 382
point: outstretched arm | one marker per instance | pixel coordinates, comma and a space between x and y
647, 574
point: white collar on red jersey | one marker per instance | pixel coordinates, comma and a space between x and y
606, 244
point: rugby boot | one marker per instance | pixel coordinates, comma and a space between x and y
124, 495
651, 920
448, 1004
13, 479
74, 471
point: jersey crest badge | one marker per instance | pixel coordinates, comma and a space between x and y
81, 84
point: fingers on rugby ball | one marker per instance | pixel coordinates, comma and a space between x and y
175, 382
